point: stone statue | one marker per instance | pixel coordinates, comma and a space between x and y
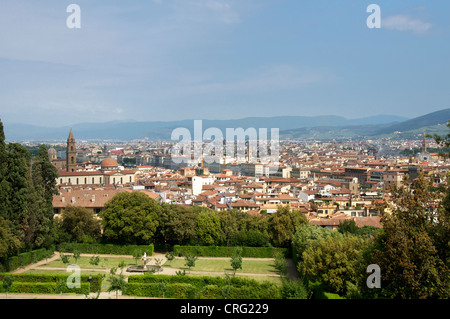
144, 258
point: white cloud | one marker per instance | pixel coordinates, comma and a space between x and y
401, 22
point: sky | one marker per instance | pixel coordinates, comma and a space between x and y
164, 60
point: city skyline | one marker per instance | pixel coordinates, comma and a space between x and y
175, 60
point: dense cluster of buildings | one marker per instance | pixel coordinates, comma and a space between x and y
329, 182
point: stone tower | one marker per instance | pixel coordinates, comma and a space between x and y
71, 154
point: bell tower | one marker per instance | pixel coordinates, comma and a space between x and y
71, 154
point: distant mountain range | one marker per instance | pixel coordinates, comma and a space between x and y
317, 127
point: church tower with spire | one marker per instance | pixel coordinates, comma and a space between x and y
71, 154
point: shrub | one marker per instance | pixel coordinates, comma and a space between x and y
95, 281
105, 248
44, 288
224, 251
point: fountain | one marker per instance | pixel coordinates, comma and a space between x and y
145, 267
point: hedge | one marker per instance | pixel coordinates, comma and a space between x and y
206, 287
24, 259
176, 290
95, 282
188, 291
105, 248
43, 288
224, 251
200, 281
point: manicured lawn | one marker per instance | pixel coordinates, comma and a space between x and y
263, 266
83, 262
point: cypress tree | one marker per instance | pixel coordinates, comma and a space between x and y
4, 185
43, 187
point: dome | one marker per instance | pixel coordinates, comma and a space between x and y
109, 162
51, 151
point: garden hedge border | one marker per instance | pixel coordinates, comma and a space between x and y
95, 283
225, 251
112, 249
44, 288
26, 258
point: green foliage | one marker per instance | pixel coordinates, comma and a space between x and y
105, 248
410, 251
79, 223
283, 224
94, 260
9, 243
203, 287
348, 226
281, 263
309, 235
94, 281
208, 228
176, 224
294, 289
24, 259
335, 261
130, 218
190, 261
45, 288
221, 251
236, 260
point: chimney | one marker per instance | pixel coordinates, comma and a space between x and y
73, 199
93, 198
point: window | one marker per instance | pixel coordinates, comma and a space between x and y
71, 160
85, 180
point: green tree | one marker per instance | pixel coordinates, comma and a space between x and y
9, 243
130, 218
5, 190
137, 254
117, 282
80, 223
18, 173
42, 189
236, 260
170, 256
335, 261
208, 227
408, 252
190, 261
176, 224
76, 255
162, 284
231, 222
348, 226
283, 224
309, 235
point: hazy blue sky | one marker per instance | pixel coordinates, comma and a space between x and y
198, 59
